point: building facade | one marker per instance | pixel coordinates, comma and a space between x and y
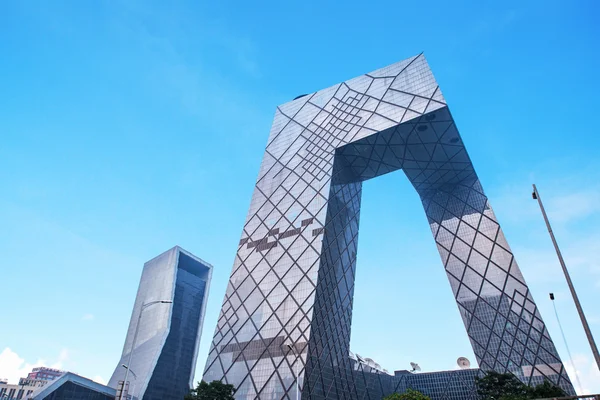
22, 391
168, 336
44, 373
369, 378
287, 312
37, 378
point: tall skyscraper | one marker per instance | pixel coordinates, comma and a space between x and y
286, 317
169, 307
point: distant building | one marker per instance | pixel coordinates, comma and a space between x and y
20, 391
369, 377
166, 346
33, 382
44, 373
36, 379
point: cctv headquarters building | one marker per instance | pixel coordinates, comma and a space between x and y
284, 327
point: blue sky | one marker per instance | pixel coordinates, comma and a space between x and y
127, 127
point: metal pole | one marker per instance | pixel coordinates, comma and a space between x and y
297, 371
297, 378
584, 322
134, 380
137, 327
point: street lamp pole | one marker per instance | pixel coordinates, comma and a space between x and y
134, 382
137, 327
293, 349
586, 327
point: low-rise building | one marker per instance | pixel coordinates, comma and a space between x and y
13, 391
36, 379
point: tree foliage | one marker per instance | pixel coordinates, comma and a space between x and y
497, 386
409, 394
546, 390
216, 390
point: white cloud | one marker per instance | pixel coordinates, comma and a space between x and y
593, 318
88, 317
572, 206
62, 357
99, 379
541, 265
564, 201
587, 372
573, 210
13, 367
581, 257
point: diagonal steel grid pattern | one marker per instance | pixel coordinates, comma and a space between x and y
288, 305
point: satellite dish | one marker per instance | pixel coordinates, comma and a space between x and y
463, 362
415, 367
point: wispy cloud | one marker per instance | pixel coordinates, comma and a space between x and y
245, 51
593, 318
572, 206
87, 317
195, 77
494, 23
580, 254
13, 367
563, 204
62, 357
585, 369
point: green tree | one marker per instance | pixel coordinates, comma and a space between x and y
546, 390
216, 390
496, 386
514, 397
409, 394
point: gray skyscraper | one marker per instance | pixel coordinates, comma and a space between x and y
166, 346
286, 317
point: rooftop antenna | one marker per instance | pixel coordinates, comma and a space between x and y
415, 367
463, 362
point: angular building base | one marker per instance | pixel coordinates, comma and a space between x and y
71, 386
